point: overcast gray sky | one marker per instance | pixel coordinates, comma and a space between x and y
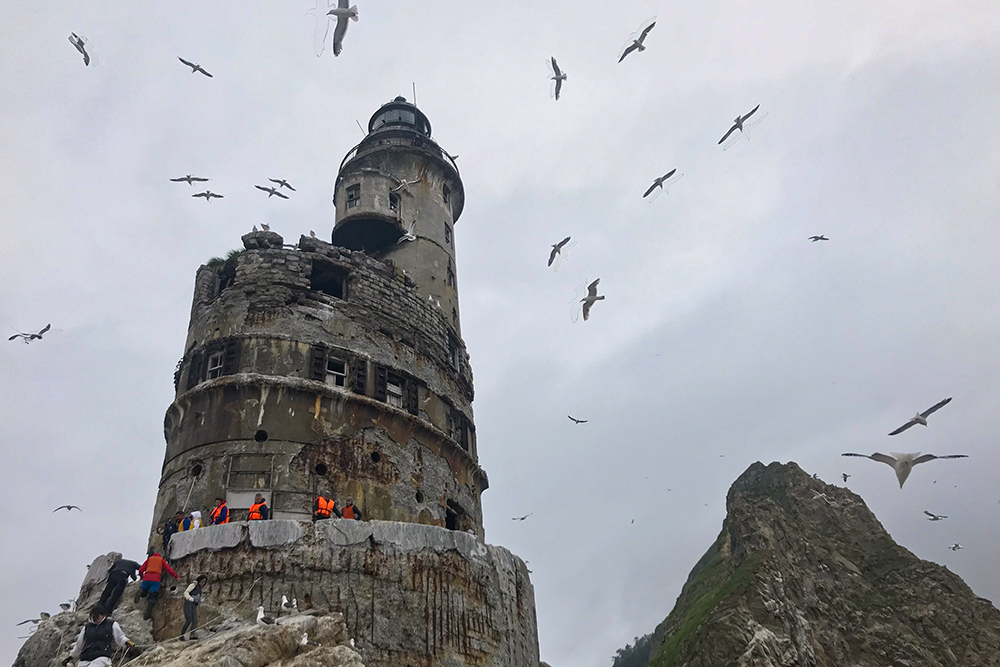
726, 337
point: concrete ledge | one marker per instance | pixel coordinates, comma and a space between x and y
276, 533
210, 538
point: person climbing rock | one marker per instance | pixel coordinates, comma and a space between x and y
192, 598
96, 644
118, 578
151, 573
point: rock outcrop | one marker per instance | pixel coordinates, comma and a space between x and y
803, 574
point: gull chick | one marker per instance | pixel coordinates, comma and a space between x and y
921, 417
903, 463
591, 298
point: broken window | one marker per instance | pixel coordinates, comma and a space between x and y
353, 195
214, 366
394, 390
359, 376
227, 276
456, 517
447, 234
231, 357
327, 278
393, 202
250, 471
194, 370
336, 372
453, 352
450, 280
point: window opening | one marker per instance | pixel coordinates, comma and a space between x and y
327, 278
260, 436
214, 366
227, 276
453, 352
394, 391
353, 196
376, 457
450, 520
321, 469
250, 471
393, 202
336, 372
447, 234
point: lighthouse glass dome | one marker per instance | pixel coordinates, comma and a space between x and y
400, 113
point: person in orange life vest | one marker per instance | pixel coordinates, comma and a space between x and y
151, 572
324, 507
350, 511
220, 514
258, 511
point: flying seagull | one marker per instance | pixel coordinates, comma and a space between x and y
557, 248
35, 621
558, 76
578, 421
189, 179
590, 299
282, 183
408, 235
521, 518
921, 417
262, 619
404, 185
658, 183
343, 13
903, 463
28, 337
208, 195
818, 238
845, 476
636, 44
271, 192
68, 508
81, 45
934, 517
956, 547
738, 124
195, 67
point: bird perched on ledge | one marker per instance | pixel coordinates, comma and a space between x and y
262, 619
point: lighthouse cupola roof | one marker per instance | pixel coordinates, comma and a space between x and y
400, 114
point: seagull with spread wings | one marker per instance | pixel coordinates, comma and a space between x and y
343, 13
845, 476
590, 299
208, 195
637, 41
738, 123
921, 417
189, 179
68, 508
195, 67
404, 185
28, 337
557, 248
521, 518
956, 547
934, 517
282, 183
820, 237
661, 183
271, 192
408, 235
577, 421
558, 76
903, 463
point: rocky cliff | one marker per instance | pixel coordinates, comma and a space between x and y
804, 579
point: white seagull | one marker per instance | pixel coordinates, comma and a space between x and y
636, 44
404, 185
81, 43
408, 235
956, 547
590, 299
195, 67
934, 517
343, 13
921, 417
658, 183
28, 337
262, 619
271, 192
189, 179
208, 195
738, 123
903, 463
845, 476
282, 183
558, 76
291, 606
556, 249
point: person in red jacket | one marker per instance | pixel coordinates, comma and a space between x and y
151, 572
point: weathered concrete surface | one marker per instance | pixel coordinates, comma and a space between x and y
225, 536
410, 594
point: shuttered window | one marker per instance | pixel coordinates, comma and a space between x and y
359, 376
194, 370
317, 363
381, 382
231, 361
412, 402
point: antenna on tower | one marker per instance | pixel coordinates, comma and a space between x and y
414, 93
360, 128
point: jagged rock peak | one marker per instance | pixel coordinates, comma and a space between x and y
803, 574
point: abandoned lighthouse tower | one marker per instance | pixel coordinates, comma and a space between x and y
339, 369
